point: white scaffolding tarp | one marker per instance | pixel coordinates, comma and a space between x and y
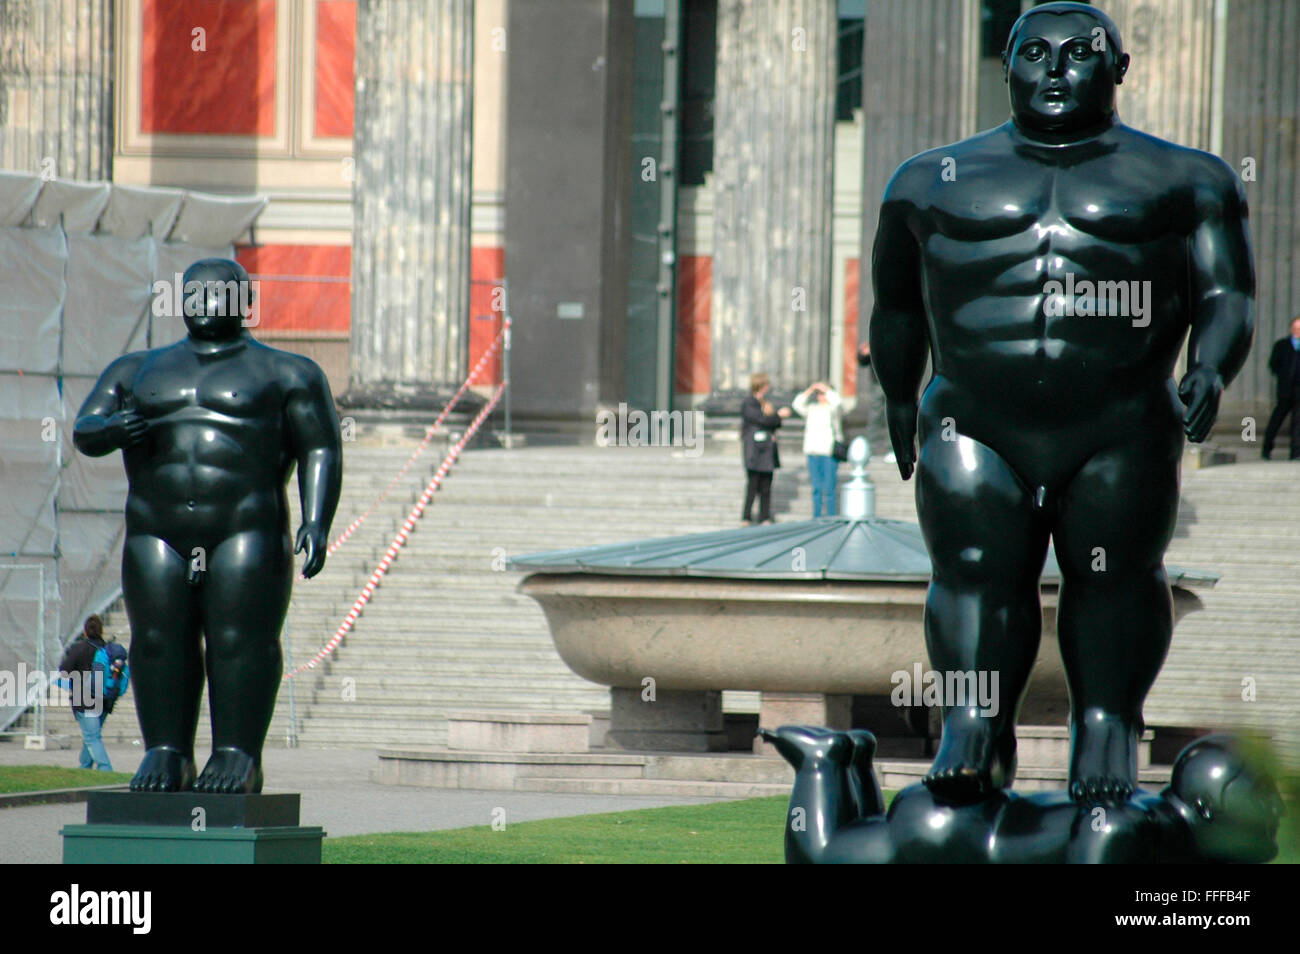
78, 262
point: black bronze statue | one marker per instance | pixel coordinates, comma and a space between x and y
210, 429
1050, 269
1215, 809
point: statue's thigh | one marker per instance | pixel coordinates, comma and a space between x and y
977, 515
1119, 511
246, 590
159, 602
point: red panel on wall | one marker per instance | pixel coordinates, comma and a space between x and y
850, 326
487, 265
299, 286
336, 35
694, 287
218, 81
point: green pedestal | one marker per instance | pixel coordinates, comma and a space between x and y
185, 828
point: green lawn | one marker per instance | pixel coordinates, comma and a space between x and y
39, 778
744, 832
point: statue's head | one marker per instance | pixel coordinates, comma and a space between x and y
217, 296
1232, 808
1062, 64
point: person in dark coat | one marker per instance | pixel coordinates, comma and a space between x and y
759, 424
1284, 362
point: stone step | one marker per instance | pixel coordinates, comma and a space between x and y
648, 786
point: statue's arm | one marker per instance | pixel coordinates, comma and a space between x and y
107, 420
1222, 297
898, 332
318, 448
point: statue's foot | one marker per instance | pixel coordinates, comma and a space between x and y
164, 769
802, 745
976, 758
1103, 758
230, 771
864, 747
861, 775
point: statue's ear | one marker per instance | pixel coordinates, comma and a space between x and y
1005, 66
1121, 67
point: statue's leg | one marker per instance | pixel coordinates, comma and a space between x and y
987, 544
166, 662
246, 596
820, 801
1115, 616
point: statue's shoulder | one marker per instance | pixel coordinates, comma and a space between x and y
1178, 165
125, 367
297, 370
916, 176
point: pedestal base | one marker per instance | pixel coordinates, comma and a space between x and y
676, 720
189, 828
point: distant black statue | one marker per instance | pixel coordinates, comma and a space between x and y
210, 429
1215, 809
1050, 269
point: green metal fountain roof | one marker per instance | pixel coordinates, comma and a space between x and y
826, 548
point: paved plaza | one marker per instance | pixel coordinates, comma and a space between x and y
337, 794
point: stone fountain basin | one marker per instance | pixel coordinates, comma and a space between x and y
831, 636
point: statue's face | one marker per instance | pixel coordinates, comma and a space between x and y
215, 299
1062, 73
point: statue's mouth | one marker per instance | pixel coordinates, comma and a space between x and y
1056, 94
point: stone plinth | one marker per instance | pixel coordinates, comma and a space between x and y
518, 731
666, 721
191, 828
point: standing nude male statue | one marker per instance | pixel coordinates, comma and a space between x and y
1050, 268
210, 429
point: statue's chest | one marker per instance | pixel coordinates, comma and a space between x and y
230, 387
1053, 206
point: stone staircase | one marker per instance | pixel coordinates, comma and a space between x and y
446, 629
1243, 522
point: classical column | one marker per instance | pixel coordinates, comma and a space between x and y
56, 87
411, 200
909, 103
1260, 137
568, 201
773, 132
1168, 90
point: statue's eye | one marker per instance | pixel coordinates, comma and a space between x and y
1033, 52
1080, 52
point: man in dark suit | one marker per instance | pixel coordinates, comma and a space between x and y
1284, 362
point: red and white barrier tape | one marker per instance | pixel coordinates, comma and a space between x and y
400, 540
424, 444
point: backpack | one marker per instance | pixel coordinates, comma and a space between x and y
111, 661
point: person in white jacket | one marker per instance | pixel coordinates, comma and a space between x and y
819, 405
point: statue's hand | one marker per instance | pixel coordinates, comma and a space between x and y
312, 537
126, 428
1200, 390
902, 434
